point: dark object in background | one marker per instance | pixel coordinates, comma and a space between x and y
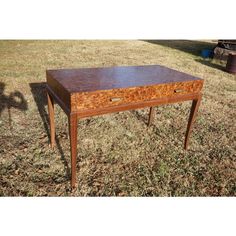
224, 48
231, 64
227, 44
207, 53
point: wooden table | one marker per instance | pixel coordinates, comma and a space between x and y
94, 91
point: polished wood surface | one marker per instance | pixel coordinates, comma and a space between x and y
51, 120
95, 91
73, 143
114, 97
94, 79
151, 116
192, 117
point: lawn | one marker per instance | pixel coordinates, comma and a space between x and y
118, 155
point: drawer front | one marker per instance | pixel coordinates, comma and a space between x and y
110, 98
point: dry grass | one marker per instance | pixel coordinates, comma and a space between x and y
118, 154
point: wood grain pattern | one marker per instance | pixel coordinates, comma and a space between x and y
56, 88
51, 119
151, 116
137, 105
102, 99
72, 119
192, 117
107, 78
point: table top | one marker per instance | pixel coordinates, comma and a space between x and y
94, 79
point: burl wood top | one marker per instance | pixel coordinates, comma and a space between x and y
94, 79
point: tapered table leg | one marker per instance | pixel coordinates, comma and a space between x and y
51, 119
73, 146
192, 117
151, 116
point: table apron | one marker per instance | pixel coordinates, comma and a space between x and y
133, 106
124, 107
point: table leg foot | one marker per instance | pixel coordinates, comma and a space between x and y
151, 116
73, 146
51, 119
192, 117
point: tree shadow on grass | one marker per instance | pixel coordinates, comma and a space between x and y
14, 99
39, 93
193, 47
211, 64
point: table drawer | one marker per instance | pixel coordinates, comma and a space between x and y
115, 97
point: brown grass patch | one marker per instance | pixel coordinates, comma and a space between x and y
118, 154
